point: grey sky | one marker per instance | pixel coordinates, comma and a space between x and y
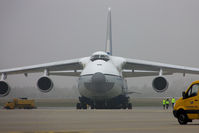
41, 31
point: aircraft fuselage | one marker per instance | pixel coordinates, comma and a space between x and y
101, 80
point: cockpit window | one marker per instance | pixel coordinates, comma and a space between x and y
99, 57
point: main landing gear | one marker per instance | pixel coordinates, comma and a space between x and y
81, 106
119, 102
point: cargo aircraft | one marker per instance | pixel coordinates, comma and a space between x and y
101, 82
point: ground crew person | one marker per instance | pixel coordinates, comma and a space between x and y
163, 103
167, 103
173, 101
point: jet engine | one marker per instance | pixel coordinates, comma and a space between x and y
4, 88
160, 84
45, 84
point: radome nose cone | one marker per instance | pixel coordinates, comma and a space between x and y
98, 78
98, 83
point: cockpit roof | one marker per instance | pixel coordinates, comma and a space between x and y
100, 56
100, 53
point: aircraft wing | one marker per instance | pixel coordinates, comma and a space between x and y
138, 68
66, 66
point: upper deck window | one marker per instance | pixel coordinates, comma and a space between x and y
99, 57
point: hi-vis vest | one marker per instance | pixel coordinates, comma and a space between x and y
163, 102
173, 100
167, 101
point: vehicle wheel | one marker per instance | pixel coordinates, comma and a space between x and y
129, 105
78, 106
182, 119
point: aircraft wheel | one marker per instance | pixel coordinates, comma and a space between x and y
84, 106
78, 106
129, 105
92, 106
182, 118
124, 106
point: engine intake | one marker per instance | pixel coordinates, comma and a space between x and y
4, 89
160, 84
45, 84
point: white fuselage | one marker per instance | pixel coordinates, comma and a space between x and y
102, 79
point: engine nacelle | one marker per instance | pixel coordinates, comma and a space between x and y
4, 89
160, 84
45, 84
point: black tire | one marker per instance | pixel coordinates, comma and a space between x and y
7, 107
78, 106
92, 106
182, 118
124, 106
84, 106
129, 105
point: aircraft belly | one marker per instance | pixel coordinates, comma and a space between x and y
112, 88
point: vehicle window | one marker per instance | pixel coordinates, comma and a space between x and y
193, 91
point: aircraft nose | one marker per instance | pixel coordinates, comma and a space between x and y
98, 78
98, 83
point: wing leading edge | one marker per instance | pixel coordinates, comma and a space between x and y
140, 68
55, 68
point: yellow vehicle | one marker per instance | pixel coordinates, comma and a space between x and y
22, 103
186, 108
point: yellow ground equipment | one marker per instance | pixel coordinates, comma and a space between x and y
22, 103
187, 107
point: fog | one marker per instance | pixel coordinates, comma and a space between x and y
35, 31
